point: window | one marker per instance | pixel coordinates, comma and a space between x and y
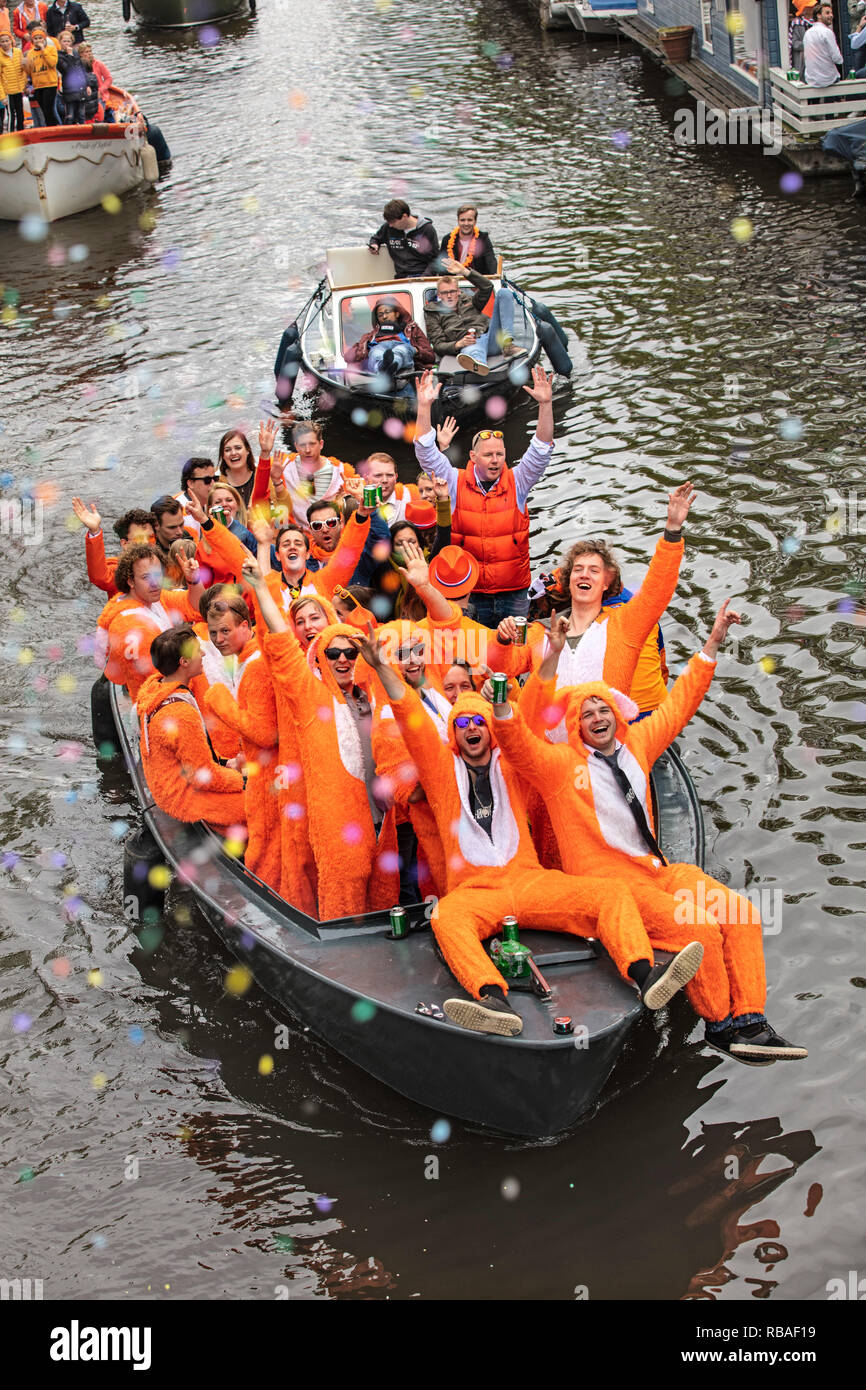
356, 313
707, 24
743, 21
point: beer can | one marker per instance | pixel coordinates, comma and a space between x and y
520, 624
372, 496
219, 514
510, 930
399, 924
563, 1026
499, 682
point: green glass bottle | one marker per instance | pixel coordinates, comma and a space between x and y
513, 958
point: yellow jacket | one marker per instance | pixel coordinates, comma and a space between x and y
13, 78
42, 67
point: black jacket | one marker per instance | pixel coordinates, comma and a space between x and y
444, 328
485, 260
412, 251
74, 15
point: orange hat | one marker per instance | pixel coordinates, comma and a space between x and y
470, 704
801, 5
454, 572
421, 514
573, 696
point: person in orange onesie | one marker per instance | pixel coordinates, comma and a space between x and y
607, 643
293, 547
332, 715
597, 791
135, 527
184, 778
139, 575
492, 869
247, 707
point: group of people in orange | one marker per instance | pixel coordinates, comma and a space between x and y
351, 734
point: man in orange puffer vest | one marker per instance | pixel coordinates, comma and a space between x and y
488, 500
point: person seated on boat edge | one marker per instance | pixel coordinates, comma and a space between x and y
856, 42
492, 870
607, 643
41, 64
380, 470
395, 344
650, 681
489, 500
411, 240
13, 80
292, 546
140, 576
73, 81
69, 15
301, 476
472, 249
185, 779
803, 19
421, 874
240, 705
330, 718
135, 527
458, 327
596, 788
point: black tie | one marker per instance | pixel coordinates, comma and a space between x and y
633, 802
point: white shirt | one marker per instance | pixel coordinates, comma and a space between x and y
822, 54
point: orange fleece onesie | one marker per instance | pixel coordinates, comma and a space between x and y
253, 716
341, 829
338, 570
492, 877
132, 631
597, 834
181, 773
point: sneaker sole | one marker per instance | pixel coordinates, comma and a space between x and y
746, 1061
771, 1054
470, 365
682, 968
468, 1013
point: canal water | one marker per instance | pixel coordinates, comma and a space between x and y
716, 322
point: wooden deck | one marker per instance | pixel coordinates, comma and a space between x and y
702, 81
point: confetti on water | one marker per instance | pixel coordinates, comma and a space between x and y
742, 230
136, 1035
440, 1132
99, 1242
238, 980
209, 36
284, 1243
78, 253
767, 665
10, 859
323, 1204
99, 1081
790, 545
509, 1189
791, 428
94, 978
21, 1023
791, 182
621, 139
61, 967
363, 1011
112, 204
26, 1175
33, 228
266, 1064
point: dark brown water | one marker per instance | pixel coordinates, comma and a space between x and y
140, 1146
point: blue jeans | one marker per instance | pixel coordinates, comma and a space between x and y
404, 356
501, 326
490, 609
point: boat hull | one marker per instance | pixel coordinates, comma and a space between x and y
535, 1085
182, 14
66, 171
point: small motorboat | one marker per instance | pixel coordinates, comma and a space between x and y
358, 989
848, 142
54, 171
338, 314
598, 17
183, 14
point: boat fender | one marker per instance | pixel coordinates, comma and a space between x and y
252, 6
143, 890
102, 720
127, 11
149, 164
289, 355
557, 355
546, 315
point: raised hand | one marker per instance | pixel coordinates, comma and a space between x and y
267, 435
263, 530
195, 509
556, 632
416, 571
541, 389
188, 566
354, 487
88, 516
441, 487
723, 622
427, 388
371, 650
251, 575
679, 502
444, 435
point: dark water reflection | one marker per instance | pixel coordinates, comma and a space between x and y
738, 365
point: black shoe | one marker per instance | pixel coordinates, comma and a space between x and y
721, 1042
663, 981
485, 1015
759, 1041
388, 360
469, 364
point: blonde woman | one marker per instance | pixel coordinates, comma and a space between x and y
223, 495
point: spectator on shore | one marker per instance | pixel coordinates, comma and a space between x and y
797, 29
821, 51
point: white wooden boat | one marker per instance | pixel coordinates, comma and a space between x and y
598, 17
55, 171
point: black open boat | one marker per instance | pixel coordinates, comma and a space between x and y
338, 313
357, 988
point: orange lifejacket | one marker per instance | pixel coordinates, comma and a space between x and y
491, 526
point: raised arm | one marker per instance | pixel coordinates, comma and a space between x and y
416, 572
270, 614
345, 559
429, 457
546, 766
423, 744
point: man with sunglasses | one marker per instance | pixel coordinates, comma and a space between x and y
197, 477
492, 870
489, 500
